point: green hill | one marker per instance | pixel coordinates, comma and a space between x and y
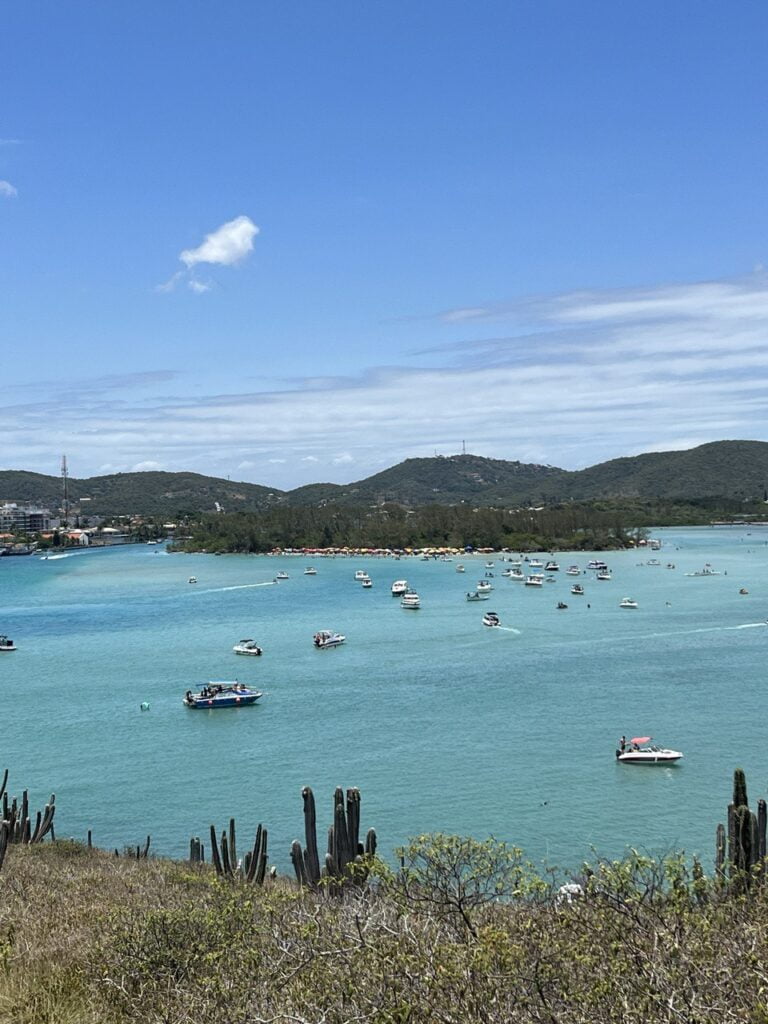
736, 470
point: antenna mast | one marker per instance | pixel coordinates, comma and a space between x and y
65, 488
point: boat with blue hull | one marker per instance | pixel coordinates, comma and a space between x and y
229, 694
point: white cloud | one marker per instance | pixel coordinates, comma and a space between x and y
7, 190
277, 462
225, 246
146, 466
198, 287
655, 369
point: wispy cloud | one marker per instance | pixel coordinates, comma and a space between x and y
591, 376
7, 190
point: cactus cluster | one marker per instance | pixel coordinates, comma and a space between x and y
743, 859
347, 859
16, 825
252, 868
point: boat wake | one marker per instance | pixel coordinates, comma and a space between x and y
509, 629
239, 586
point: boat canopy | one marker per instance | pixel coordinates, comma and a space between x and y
640, 740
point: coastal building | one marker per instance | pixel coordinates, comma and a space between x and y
23, 518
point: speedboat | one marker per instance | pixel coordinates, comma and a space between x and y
325, 638
627, 602
310, 571
410, 600
361, 574
475, 595
534, 563
491, 619
282, 575
192, 579
222, 695
367, 583
561, 605
603, 574
551, 567
399, 587
706, 571
573, 570
247, 647
642, 750
483, 586
489, 565
515, 574
460, 568
6, 644
534, 580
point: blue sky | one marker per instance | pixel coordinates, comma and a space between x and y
298, 242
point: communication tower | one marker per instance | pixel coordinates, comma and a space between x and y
65, 488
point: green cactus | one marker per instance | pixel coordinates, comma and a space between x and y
344, 846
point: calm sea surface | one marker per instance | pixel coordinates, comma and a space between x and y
442, 723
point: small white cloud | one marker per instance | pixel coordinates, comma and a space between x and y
342, 460
226, 245
7, 190
246, 464
143, 467
277, 462
198, 287
310, 458
457, 316
171, 283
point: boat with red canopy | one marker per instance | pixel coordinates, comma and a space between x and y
642, 750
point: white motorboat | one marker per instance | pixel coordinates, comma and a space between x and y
577, 589
596, 563
361, 575
192, 579
228, 694
491, 619
535, 563
536, 579
604, 574
642, 750
247, 647
460, 568
326, 638
6, 644
282, 575
475, 595
483, 586
515, 574
399, 587
627, 602
551, 567
706, 571
489, 565
310, 571
367, 583
410, 599
573, 570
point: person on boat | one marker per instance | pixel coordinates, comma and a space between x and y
623, 744
188, 696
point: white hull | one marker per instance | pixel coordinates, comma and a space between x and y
649, 756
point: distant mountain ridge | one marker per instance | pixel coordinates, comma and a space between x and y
720, 469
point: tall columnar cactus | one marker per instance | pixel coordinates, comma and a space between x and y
224, 854
16, 825
344, 847
746, 837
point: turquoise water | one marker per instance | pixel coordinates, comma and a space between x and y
442, 723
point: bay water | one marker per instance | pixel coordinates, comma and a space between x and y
443, 724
